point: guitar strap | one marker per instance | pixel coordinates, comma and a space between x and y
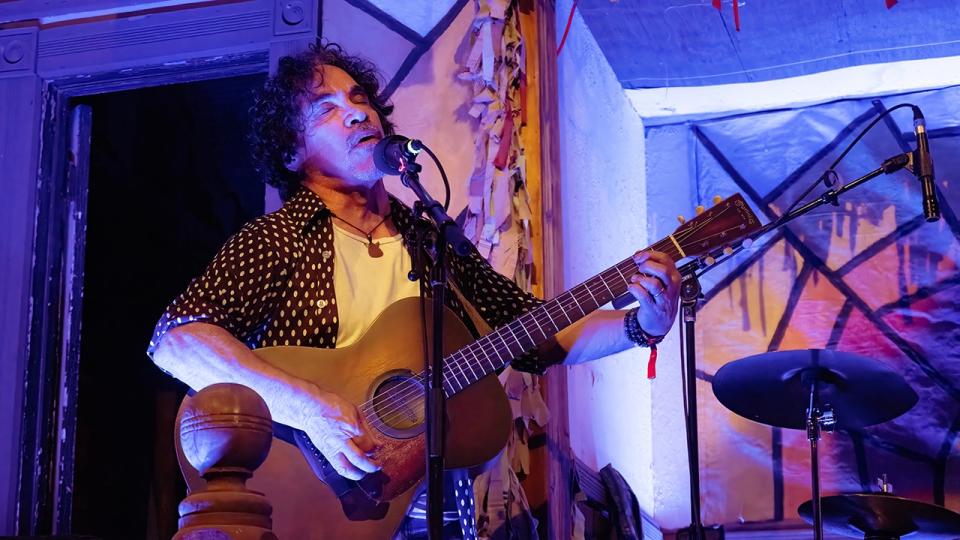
481, 325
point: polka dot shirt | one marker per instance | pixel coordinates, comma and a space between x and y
272, 283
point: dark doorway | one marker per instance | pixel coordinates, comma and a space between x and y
170, 180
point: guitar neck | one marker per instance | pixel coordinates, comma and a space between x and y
529, 331
713, 229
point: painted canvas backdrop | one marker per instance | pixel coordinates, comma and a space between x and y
868, 277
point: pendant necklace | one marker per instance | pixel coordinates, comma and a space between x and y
373, 248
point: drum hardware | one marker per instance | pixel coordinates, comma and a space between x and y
815, 390
884, 516
819, 391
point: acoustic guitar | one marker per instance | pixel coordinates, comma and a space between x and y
382, 374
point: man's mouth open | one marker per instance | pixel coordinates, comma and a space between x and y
368, 140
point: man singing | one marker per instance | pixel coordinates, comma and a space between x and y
318, 271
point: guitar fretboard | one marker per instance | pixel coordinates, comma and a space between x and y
524, 334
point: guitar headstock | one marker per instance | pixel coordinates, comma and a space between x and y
715, 228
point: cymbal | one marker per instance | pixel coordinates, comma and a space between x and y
881, 515
774, 388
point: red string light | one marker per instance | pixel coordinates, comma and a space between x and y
736, 11
567, 29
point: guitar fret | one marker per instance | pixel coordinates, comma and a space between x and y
632, 266
604, 281
517, 337
500, 335
524, 327
617, 267
463, 364
553, 322
455, 380
444, 381
534, 318
458, 366
577, 302
476, 349
564, 311
470, 365
492, 366
596, 304
514, 336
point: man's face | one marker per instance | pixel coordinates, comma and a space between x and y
340, 130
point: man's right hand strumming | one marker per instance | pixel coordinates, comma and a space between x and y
201, 354
335, 427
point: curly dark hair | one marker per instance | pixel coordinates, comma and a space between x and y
275, 114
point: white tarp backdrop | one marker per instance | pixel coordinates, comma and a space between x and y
868, 277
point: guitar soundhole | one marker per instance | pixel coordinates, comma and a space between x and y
398, 405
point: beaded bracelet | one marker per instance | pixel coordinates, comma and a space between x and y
638, 335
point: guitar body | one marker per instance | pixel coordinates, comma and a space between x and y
389, 354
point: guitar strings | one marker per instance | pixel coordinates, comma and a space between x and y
398, 397
464, 363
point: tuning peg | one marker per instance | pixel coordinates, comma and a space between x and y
717, 199
728, 251
681, 219
700, 209
709, 261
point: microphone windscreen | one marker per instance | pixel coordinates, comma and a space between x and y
387, 154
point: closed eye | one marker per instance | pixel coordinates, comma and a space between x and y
319, 109
359, 96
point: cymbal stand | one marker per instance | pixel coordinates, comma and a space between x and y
818, 419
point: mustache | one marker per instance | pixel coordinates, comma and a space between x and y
362, 132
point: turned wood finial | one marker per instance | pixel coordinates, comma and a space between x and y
225, 432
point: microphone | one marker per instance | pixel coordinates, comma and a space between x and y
923, 168
393, 151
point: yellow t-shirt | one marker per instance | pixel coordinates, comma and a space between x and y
364, 285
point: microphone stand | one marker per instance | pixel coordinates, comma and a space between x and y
690, 293
832, 196
434, 393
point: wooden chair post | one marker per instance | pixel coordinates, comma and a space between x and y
225, 433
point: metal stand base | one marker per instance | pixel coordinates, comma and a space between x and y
707, 532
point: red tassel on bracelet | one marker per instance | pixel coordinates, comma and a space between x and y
652, 363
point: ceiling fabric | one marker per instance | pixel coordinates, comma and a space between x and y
396, 38
670, 43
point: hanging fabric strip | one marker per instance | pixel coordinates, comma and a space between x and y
498, 222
